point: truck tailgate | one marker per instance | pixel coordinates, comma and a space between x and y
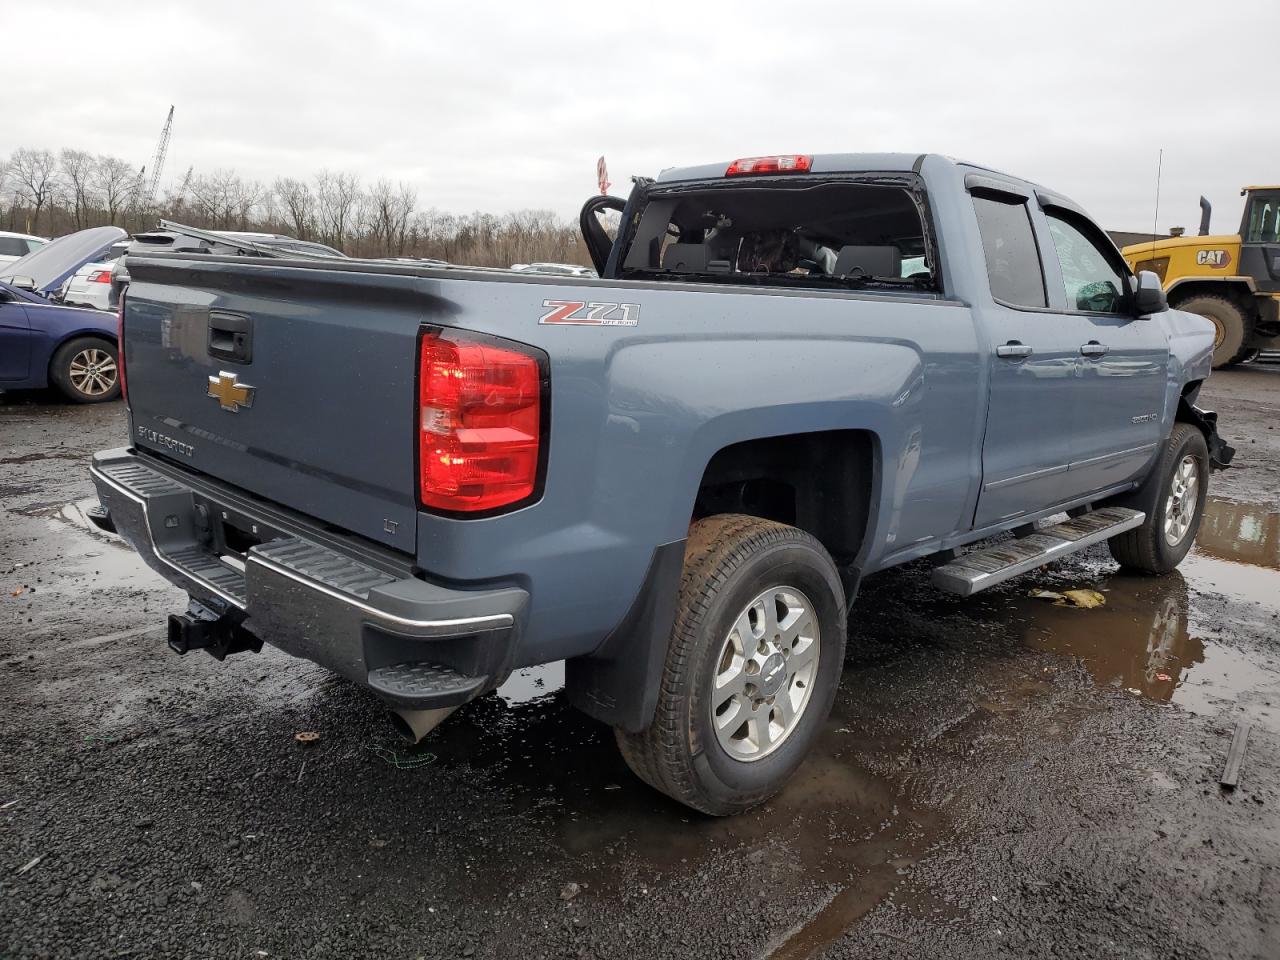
288, 383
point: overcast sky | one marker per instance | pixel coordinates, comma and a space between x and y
491, 106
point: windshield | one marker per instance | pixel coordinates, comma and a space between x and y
59, 259
1263, 219
825, 233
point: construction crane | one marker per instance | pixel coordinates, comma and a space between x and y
157, 162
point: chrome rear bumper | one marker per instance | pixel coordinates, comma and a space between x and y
344, 604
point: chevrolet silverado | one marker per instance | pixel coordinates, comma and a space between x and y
792, 372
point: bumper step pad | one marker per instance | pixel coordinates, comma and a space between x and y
418, 682
985, 568
324, 566
204, 565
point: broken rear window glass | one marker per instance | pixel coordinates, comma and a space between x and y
824, 234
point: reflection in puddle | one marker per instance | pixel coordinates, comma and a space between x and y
1241, 532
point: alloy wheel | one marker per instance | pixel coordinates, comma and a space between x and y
765, 673
1180, 503
93, 372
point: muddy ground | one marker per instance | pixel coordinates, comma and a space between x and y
1001, 777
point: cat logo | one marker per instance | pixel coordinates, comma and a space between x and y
1217, 259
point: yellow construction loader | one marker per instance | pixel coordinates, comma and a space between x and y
1230, 279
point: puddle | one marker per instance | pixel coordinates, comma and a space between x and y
532, 683
1156, 637
84, 556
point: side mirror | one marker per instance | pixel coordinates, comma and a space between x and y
22, 283
1148, 295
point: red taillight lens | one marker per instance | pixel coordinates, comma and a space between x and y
124, 393
789, 163
100, 276
480, 422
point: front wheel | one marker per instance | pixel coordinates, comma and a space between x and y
1173, 498
752, 667
86, 370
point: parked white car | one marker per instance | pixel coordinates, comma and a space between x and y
90, 286
15, 246
554, 269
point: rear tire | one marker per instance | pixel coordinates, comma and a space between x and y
752, 668
1233, 326
86, 370
1173, 498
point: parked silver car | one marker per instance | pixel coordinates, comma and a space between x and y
90, 286
15, 246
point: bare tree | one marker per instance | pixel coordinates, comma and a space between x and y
78, 175
60, 191
35, 175
116, 184
299, 205
389, 212
338, 198
224, 200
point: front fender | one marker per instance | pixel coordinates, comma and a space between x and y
1190, 356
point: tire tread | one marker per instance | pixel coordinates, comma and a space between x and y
717, 547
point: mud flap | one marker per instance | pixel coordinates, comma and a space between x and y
618, 683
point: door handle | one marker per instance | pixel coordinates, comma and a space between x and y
1013, 349
1094, 349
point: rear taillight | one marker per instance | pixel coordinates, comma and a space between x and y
100, 276
480, 421
788, 163
124, 393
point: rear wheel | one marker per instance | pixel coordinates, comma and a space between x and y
1173, 498
1233, 326
86, 370
752, 667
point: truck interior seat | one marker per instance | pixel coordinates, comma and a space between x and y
869, 261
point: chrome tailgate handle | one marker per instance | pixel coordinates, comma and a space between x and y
1094, 349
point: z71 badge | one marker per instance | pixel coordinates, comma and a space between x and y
591, 314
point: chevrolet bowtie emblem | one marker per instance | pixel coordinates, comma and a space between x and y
230, 393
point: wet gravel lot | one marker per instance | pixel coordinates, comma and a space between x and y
1000, 776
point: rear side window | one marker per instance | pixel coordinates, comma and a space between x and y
13, 247
1013, 263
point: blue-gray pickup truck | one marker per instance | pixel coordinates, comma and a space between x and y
793, 372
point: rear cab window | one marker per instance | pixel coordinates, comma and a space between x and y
834, 231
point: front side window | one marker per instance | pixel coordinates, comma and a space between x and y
1013, 264
1093, 281
13, 247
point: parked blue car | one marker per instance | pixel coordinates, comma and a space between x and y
45, 344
